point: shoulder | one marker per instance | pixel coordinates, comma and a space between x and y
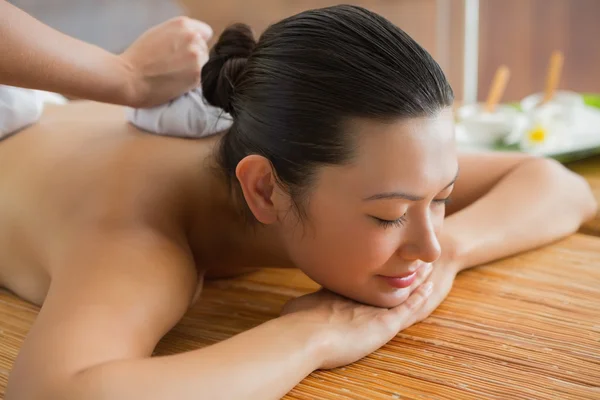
139, 270
116, 294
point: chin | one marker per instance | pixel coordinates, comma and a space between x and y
388, 301
381, 299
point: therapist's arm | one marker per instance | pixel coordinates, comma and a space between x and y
162, 64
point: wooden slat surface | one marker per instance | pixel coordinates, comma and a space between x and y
590, 170
527, 327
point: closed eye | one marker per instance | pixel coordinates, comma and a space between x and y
445, 201
386, 223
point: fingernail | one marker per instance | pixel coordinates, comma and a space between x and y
428, 288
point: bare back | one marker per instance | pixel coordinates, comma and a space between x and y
81, 166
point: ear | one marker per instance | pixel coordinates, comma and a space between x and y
257, 179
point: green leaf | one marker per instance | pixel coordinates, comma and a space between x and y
592, 100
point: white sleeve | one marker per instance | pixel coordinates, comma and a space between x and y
187, 116
19, 108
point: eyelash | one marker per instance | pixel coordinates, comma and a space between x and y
445, 201
398, 223
387, 223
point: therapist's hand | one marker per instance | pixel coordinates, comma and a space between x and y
166, 61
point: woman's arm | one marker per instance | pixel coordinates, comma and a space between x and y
262, 363
507, 203
162, 64
115, 298
504, 204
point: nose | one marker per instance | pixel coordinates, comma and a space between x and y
421, 240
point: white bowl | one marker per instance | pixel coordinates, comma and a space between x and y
565, 106
480, 127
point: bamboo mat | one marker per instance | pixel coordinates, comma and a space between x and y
527, 327
590, 170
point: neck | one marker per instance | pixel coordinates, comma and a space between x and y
220, 235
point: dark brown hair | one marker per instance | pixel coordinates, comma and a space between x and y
292, 93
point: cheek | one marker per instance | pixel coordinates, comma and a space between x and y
339, 252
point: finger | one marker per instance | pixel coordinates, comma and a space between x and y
203, 48
205, 31
200, 52
203, 45
404, 311
422, 274
199, 44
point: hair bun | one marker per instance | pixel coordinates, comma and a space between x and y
225, 66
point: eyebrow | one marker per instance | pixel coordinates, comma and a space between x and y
405, 196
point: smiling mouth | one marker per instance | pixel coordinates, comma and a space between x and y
400, 282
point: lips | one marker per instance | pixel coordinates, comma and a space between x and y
400, 282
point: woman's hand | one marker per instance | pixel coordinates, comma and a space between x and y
166, 61
442, 276
348, 331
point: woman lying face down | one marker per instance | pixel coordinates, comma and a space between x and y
340, 161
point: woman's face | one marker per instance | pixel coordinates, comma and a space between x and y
371, 224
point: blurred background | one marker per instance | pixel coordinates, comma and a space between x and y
469, 38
